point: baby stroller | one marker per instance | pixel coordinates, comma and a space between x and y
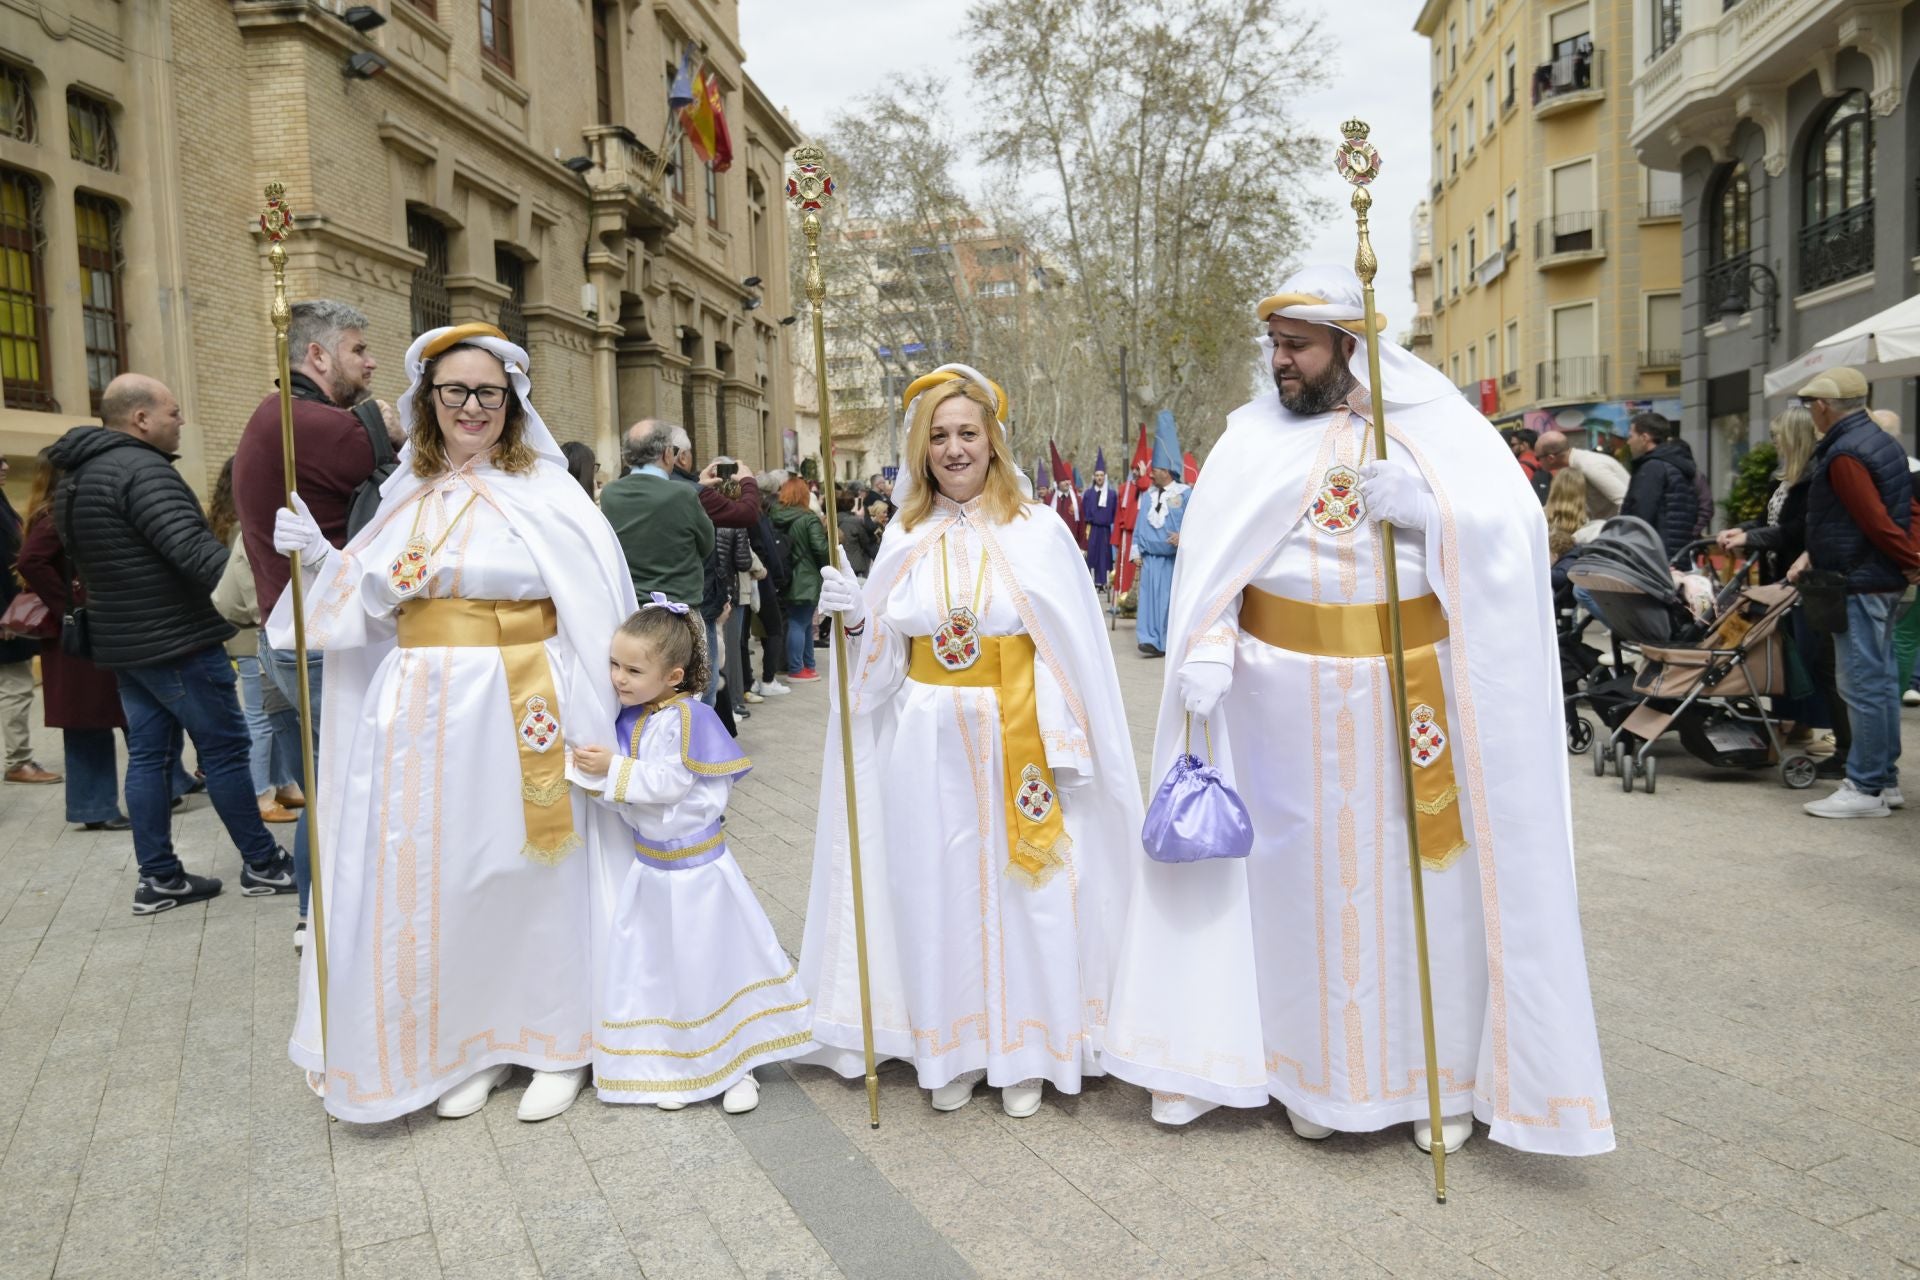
1706, 687
1625, 573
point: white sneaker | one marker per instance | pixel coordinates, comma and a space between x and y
1848, 802
1454, 1132
750, 697
742, 1096
299, 936
471, 1094
1021, 1100
955, 1094
1307, 1129
551, 1093
1911, 698
774, 689
1891, 797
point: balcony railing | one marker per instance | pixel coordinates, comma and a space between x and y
1659, 210
1584, 232
1573, 378
1837, 248
1659, 359
1726, 286
1569, 79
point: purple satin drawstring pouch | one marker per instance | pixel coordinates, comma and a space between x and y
1195, 815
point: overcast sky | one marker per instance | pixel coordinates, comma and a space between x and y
814, 58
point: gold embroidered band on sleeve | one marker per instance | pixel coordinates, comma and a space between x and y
1037, 837
519, 629
1361, 631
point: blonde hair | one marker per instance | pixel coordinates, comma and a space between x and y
1001, 496
1566, 510
1792, 432
511, 454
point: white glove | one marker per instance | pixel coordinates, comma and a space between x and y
840, 593
1396, 493
1203, 684
295, 530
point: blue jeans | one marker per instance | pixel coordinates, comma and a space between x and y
799, 636
274, 761
93, 774
1869, 679
282, 667
713, 663
195, 693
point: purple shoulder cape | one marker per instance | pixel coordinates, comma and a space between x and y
705, 745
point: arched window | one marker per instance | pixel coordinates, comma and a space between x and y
1732, 217
1838, 171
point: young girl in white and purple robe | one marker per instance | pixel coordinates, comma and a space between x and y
695, 991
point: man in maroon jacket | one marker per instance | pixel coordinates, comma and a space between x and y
331, 371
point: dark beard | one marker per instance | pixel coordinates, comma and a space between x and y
1318, 395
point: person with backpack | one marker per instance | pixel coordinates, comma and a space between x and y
340, 458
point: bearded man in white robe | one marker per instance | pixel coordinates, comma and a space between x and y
1291, 975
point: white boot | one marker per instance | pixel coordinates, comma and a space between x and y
551, 1093
1021, 1100
742, 1096
471, 1094
1454, 1132
1306, 1128
955, 1094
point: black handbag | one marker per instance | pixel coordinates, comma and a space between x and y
76, 634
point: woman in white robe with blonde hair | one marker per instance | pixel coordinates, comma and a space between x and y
996, 785
465, 634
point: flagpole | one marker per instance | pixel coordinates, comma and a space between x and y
1359, 163
808, 188
277, 222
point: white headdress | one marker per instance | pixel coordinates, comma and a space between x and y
495, 343
926, 382
1332, 296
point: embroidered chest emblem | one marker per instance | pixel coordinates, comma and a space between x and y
1426, 738
1036, 797
538, 728
409, 572
1337, 507
956, 645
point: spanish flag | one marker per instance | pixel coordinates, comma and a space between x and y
705, 123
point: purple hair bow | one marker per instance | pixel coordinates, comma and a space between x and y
657, 600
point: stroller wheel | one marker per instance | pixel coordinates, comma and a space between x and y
1797, 772
1579, 735
1601, 755
1626, 772
1648, 772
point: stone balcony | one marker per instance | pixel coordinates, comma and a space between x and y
627, 186
1734, 62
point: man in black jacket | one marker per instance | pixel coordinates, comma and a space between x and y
141, 546
1662, 490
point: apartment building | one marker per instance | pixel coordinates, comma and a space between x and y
1792, 124
1556, 255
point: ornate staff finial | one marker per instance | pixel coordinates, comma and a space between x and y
276, 221
809, 187
1359, 163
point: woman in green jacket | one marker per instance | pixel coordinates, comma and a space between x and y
806, 552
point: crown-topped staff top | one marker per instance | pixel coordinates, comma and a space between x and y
276, 221
1359, 163
809, 187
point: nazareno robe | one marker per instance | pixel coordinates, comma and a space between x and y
1157, 550
1098, 506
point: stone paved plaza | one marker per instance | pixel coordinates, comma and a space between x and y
1757, 975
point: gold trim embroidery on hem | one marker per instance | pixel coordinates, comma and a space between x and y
1440, 802
692, 1054
701, 1022
554, 856
714, 1077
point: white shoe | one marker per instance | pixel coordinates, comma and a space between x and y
1454, 1132
471, 1094
551, 1093
774, 689
750, 697
742, 1097
1848, 802
1307, 1129
1891, 797
1021, 1100
299, 936
1911, 698
955, 1094
671, 1106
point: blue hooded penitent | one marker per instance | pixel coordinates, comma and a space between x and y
1166, 445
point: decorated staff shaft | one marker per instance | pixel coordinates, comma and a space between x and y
1359, 164
808, 188
277, 222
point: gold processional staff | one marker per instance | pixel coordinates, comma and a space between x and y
1359, 163
277, 222
809, 187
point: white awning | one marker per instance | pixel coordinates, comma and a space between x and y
1882, 346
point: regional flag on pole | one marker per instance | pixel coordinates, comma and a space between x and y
705, 122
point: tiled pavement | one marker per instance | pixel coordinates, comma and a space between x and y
1757, 976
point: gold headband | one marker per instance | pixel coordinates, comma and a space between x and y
1280, 301
927, 381
458, 334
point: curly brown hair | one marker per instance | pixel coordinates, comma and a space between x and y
676, 639
513, 454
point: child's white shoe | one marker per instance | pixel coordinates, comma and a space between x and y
671, 1106
743, 1097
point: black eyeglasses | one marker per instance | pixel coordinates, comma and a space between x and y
455, 395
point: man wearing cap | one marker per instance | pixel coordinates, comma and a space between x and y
1859, 527
1290, 975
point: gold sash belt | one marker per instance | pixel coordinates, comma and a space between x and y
1036, 829
1362, 631
519, 629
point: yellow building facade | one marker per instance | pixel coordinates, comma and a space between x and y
1556, 254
